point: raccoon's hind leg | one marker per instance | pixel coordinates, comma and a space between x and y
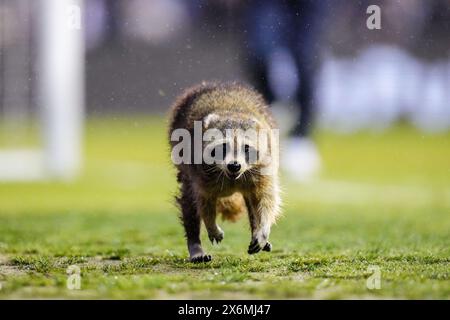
263, 208
207, 207
191, 222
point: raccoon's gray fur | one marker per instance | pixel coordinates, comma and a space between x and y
235, 186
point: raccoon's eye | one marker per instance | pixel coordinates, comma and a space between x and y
222, 148
250, 154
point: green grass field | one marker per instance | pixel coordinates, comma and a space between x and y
383, 200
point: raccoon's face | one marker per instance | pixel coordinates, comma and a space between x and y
232, 147
232, 156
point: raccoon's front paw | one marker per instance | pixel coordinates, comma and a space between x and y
202, 257
256, 247
216, 235
267, 247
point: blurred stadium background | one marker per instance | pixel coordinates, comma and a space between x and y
134, 57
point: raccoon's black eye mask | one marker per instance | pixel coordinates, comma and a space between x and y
219, 152
251, 153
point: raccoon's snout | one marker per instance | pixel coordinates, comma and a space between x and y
234, 167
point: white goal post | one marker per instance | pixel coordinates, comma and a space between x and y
60, 87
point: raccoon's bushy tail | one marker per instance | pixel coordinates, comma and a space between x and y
232, 207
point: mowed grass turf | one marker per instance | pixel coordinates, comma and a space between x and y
382, 201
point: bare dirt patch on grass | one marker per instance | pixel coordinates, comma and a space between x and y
7, 269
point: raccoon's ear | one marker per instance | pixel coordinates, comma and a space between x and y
209, 118
256, 122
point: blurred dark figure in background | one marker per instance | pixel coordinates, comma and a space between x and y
280, 31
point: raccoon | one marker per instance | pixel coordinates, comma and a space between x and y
243, 176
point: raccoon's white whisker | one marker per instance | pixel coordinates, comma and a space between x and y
223, 180
212, 169
239, 175
244, 176
254, 171
218, 177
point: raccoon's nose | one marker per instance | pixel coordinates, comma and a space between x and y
234, 167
